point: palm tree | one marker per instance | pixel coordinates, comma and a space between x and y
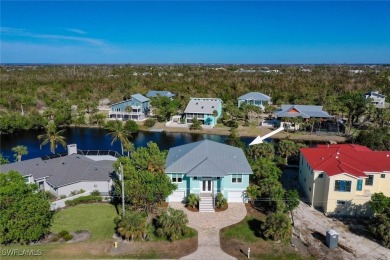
132, 226
19, 151
52, 136
118, 132
173, 224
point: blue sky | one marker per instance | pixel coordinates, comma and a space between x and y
195, 32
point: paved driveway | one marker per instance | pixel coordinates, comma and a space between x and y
208, 225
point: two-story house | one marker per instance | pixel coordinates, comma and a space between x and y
158, 93
377, 99
254, 98
340, 179
136, 108
206, 110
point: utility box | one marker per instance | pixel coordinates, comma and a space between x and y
332, 238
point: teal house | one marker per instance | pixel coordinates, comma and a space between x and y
206, 110
254, 98
207, 168
136, 108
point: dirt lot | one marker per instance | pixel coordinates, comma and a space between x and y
310, 226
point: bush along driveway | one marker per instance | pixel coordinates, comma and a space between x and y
208, 225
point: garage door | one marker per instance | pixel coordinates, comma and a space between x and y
177, 196
235, 196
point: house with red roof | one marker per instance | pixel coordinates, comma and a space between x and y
341, 178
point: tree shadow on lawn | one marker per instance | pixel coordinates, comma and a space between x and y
255, 227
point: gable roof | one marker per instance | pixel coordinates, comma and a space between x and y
208, 159
203, 105
304, 111
255, 96
155, 93
140, 97
355, 160
65, 170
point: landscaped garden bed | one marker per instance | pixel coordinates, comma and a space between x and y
237, 238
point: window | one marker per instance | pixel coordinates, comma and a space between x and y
383, 175
359, 185
321, 175
177, 177
370, 180
26, 179
340, 202
344, 186
237, 178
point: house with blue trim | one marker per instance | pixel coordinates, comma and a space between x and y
254, 98
136, 108
207, 168
206, 110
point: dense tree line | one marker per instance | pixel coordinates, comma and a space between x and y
37, 87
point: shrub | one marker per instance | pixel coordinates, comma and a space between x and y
75, 192
196, 125
95, 193
150, 122
172, 224
220, 201
67, 237
79, 231
84, 199
192, 200
62, 196
132, 226
63, 233
50, 196
277, 226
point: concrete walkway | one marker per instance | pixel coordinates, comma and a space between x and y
208, 225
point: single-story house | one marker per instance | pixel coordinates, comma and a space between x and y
62, 174
206, 110
136, 108
377, 99
156, 93
304, 111
341, 178
254, 98
206, 168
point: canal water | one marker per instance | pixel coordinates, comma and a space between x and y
97, 139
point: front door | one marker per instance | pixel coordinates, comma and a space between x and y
206, 185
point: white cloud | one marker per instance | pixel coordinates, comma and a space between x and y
78, 31
24, 33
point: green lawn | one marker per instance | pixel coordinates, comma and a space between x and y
247, 230
96, 218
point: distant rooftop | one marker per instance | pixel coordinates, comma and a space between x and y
156, 93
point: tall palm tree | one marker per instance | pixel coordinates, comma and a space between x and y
118, 132
19, 151
52, 136
173, 224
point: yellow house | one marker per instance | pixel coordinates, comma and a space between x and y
340, 179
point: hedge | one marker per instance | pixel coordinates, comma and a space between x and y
84, 199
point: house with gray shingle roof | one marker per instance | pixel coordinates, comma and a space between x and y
304, 111
207, 168
254, 98
136, 108
206, 110
156, 93
63, 174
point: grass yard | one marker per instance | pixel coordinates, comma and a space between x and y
237, 238
96, 218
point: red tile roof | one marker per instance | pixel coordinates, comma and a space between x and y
346, 158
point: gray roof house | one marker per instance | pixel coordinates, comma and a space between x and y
203, 110
304, 111
254, 98
63, 174
156, 93
377, 99
207, 168
136, 108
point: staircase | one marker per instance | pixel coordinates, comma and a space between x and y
206, 203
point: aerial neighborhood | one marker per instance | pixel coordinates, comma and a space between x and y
246, 161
